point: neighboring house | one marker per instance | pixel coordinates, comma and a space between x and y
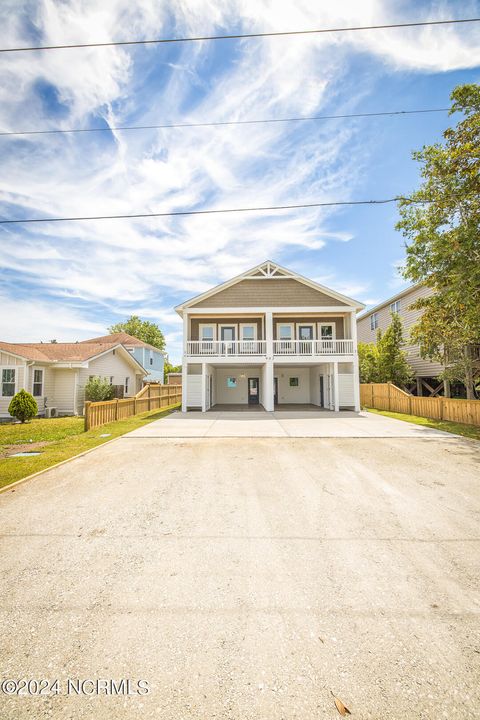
379, 317
174, 378
56, 373
150, 357
270, 337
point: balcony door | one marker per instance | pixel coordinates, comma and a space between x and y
305, 338
227, 337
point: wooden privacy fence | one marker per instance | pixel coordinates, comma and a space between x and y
151, 397
385, 396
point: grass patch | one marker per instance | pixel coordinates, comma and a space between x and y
61, 439
468, 431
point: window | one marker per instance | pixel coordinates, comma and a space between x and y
327, 331
37, 383
111, 379
207, 332
127, 379
8, 382
395, 306
373, 321
248, 332
305, 332
285, 332
151, 359
293, 382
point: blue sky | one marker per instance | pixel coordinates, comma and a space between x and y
70, 281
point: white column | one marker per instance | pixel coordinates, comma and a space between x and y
356, 372
204, 387
268, 394
184, 362
336, 399
269, 334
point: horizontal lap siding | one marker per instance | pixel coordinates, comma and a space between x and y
7, 360
196, 322
337, 321
268, 293
107, 365
420, 366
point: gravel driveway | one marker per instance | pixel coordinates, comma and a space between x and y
247, 579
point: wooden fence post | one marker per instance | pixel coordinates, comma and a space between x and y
389, 396
149, 399
134, 405
87, 415
116, 408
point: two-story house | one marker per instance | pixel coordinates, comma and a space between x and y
150, 357
379, 318
270, 337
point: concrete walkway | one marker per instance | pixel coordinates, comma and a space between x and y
283, 423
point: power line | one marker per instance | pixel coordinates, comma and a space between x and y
238, 36
177, 213
221, 123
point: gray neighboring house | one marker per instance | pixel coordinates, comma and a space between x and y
270, 337
379, 317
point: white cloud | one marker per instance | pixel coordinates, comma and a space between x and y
122, 265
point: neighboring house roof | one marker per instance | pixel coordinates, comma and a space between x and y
267, 270
123, 338
390, 300
64, 352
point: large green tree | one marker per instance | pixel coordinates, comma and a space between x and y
144, 330
441, 222
385, 361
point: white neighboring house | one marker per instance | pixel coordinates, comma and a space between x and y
270, 337
56, 373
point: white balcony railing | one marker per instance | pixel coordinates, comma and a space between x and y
226, 348
313, 347
242, 348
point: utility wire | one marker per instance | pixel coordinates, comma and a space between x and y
221, 123
238, 36
212, 212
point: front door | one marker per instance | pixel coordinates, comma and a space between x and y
227, 336
253, 391
275, 391
322, 395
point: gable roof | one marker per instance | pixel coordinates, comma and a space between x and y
64, 352
269, 270
389, 301
123, 338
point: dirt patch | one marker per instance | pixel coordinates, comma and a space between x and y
8, 450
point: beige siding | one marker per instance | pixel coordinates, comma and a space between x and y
48, 386
9, 361
64, 390
338, 321
269, 293
341, 323
421, 367
196, 322
108, 365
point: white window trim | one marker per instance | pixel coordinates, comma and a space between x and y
42, 383
393, 306
327, 324
285, 324
244, 325
374, 323
8, 367
228, 325
204, 325
305, 324
126, 385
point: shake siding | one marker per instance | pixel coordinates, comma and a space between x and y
421, 367
268, 293
9, 361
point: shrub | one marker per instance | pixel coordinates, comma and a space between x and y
23, 406
98, 389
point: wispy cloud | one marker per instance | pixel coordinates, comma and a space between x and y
112, 268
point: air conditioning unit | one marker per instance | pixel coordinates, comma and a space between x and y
51, 412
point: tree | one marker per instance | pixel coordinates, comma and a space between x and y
170, 369
23, 406
98, 389
368, 362
392, 360
441, 222
144, 330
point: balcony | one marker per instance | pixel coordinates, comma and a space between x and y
226, 348
312, 348
281, 348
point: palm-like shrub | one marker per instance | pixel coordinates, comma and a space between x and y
23, 406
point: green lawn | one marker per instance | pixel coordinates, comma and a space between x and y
469, 431
63, 438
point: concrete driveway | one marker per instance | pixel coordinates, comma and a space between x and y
283, 423
247, 578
